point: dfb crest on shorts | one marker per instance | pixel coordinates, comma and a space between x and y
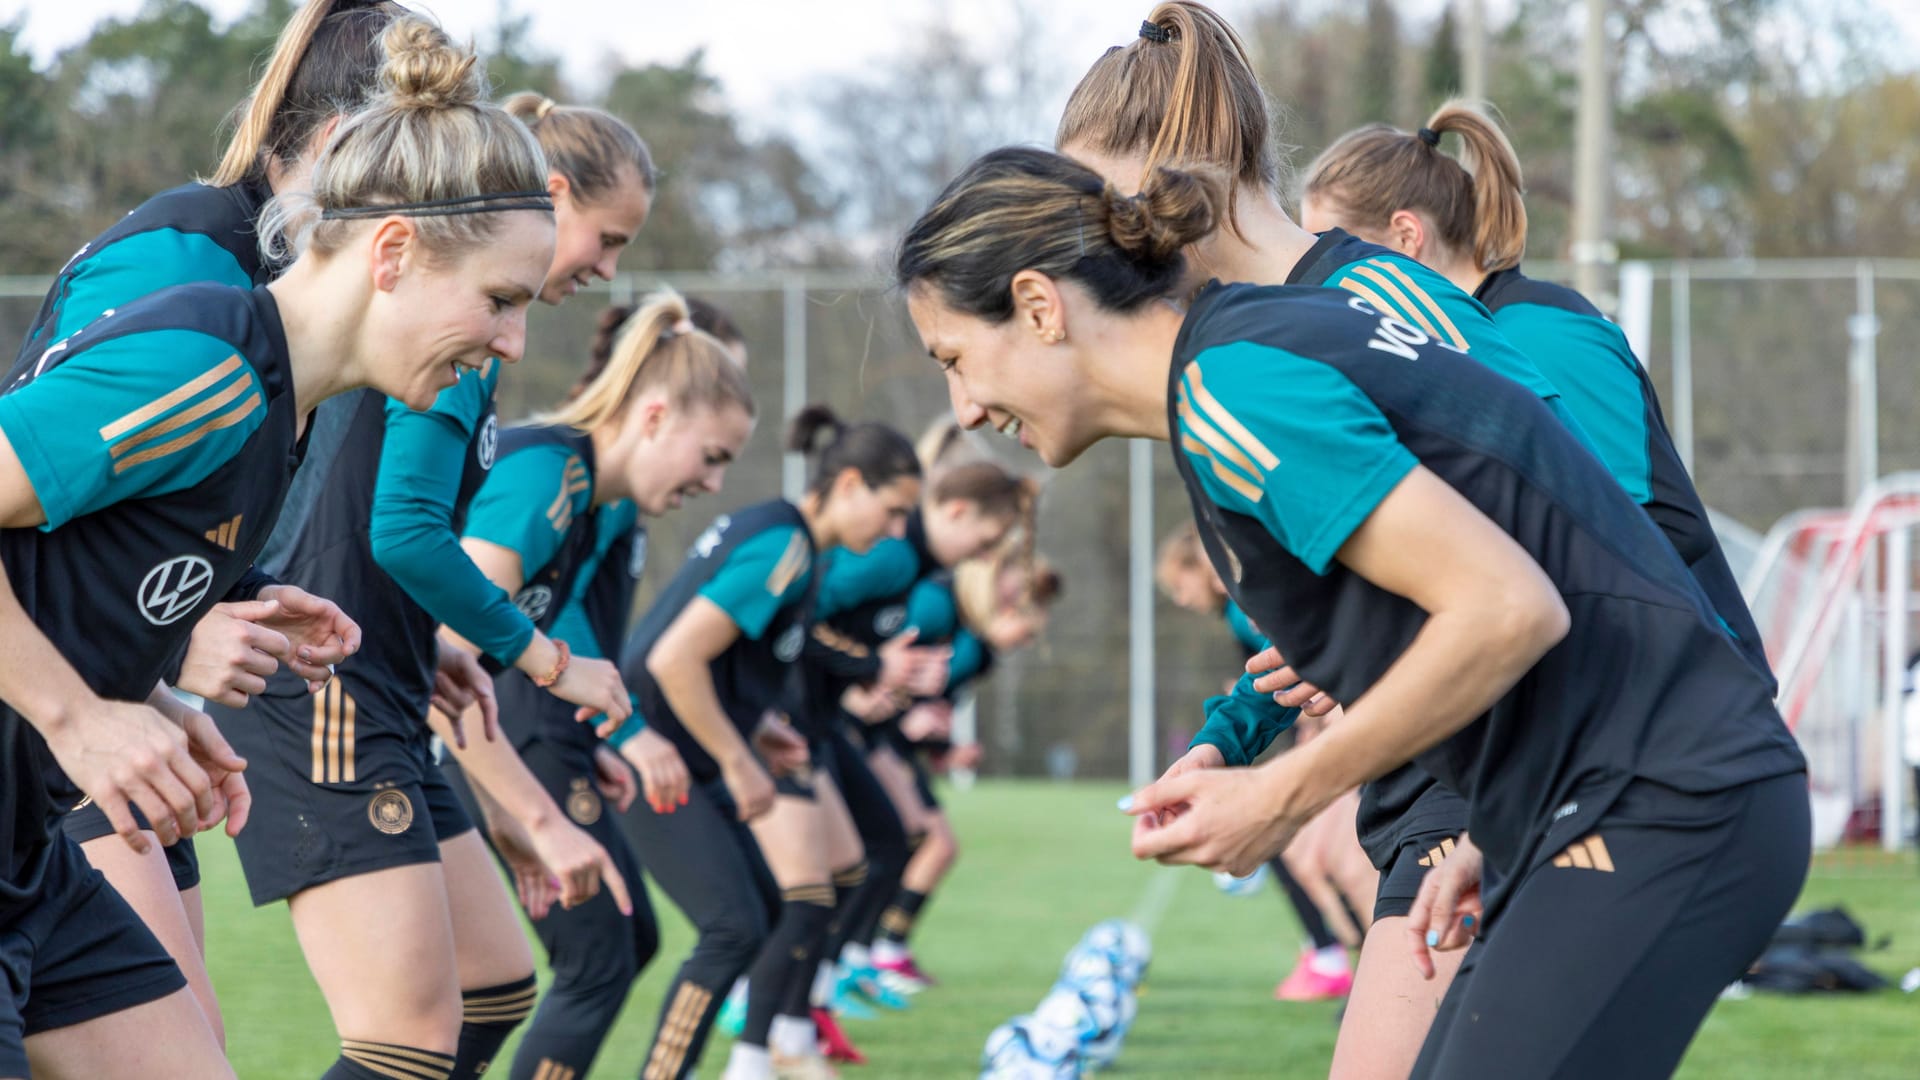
173, 588
533, 601
787, 648
390, 811
489, 442
583, 803
889, 620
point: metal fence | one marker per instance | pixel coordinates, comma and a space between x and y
1785, 383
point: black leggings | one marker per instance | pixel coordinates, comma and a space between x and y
1609, 954
705, 859
881, 833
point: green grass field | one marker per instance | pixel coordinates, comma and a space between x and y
1040, 863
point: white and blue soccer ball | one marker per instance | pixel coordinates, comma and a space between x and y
1085, 963
1128, 946
1098, 1013
1024, 1048
1251, 885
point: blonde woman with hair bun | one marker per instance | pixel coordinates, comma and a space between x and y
324, 66
147, 455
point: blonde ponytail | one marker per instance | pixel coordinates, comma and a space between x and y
655, 350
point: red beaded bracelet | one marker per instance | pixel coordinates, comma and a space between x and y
559, 666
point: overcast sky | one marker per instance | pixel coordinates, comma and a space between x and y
762, 50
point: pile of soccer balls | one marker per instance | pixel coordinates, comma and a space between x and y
1082, 1021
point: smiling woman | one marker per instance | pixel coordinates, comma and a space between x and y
1420, 536
453, 206
201, 398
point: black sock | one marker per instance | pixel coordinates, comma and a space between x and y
487, 1016
870, 900
896, 924
383, 1061
796, 941
1304, 908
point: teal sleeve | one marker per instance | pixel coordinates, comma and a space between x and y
412, 527
1302, 450
1243, 629
1419, 297
849, 580
969, 659
622, 735
1244, 723
132, 416
529, 501
137, 266
761, 576
931, 610
1599, 380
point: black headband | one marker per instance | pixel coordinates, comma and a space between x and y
465, 204
1428, 136
1155, 33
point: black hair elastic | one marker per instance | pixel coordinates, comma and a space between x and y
464, 204
1429, 136
1153, 32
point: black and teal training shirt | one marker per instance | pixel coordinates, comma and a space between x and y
756, 565
1332, 405
191, 234
160, 440
1606, 386
375, 526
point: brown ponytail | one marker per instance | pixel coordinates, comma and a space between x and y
1019, 208
1475, 202
1186, 96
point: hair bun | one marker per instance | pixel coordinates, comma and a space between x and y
804, 431
1175, 208
426, 70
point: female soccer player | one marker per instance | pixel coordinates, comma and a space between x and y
325, 65
145, 458
660, 423
1421, 537
714, 663
1185, 91
988, 607
869, 660
1467, 219
1324, 970
353, 815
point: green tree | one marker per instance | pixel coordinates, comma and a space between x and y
1378, 77
1443, 69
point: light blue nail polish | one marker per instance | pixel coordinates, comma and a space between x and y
1467, 922
1125, 804
1433, 938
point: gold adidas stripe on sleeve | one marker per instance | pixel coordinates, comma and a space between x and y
1232, 428
154, 409
792, 563
224, 420
1450, 331
1392, 301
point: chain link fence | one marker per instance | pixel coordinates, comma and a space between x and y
1760, 366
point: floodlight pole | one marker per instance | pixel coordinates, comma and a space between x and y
1473, 49
1140, 689
1591, 248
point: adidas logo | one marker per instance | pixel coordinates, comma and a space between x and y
1588, 854
227, 534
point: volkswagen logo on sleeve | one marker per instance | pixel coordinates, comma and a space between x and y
533, 601
173, 588
489, 442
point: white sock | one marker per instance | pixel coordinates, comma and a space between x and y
888, 952
855, 955
793, 1037
739, 991
1331, 960
823, 983
748, 1063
